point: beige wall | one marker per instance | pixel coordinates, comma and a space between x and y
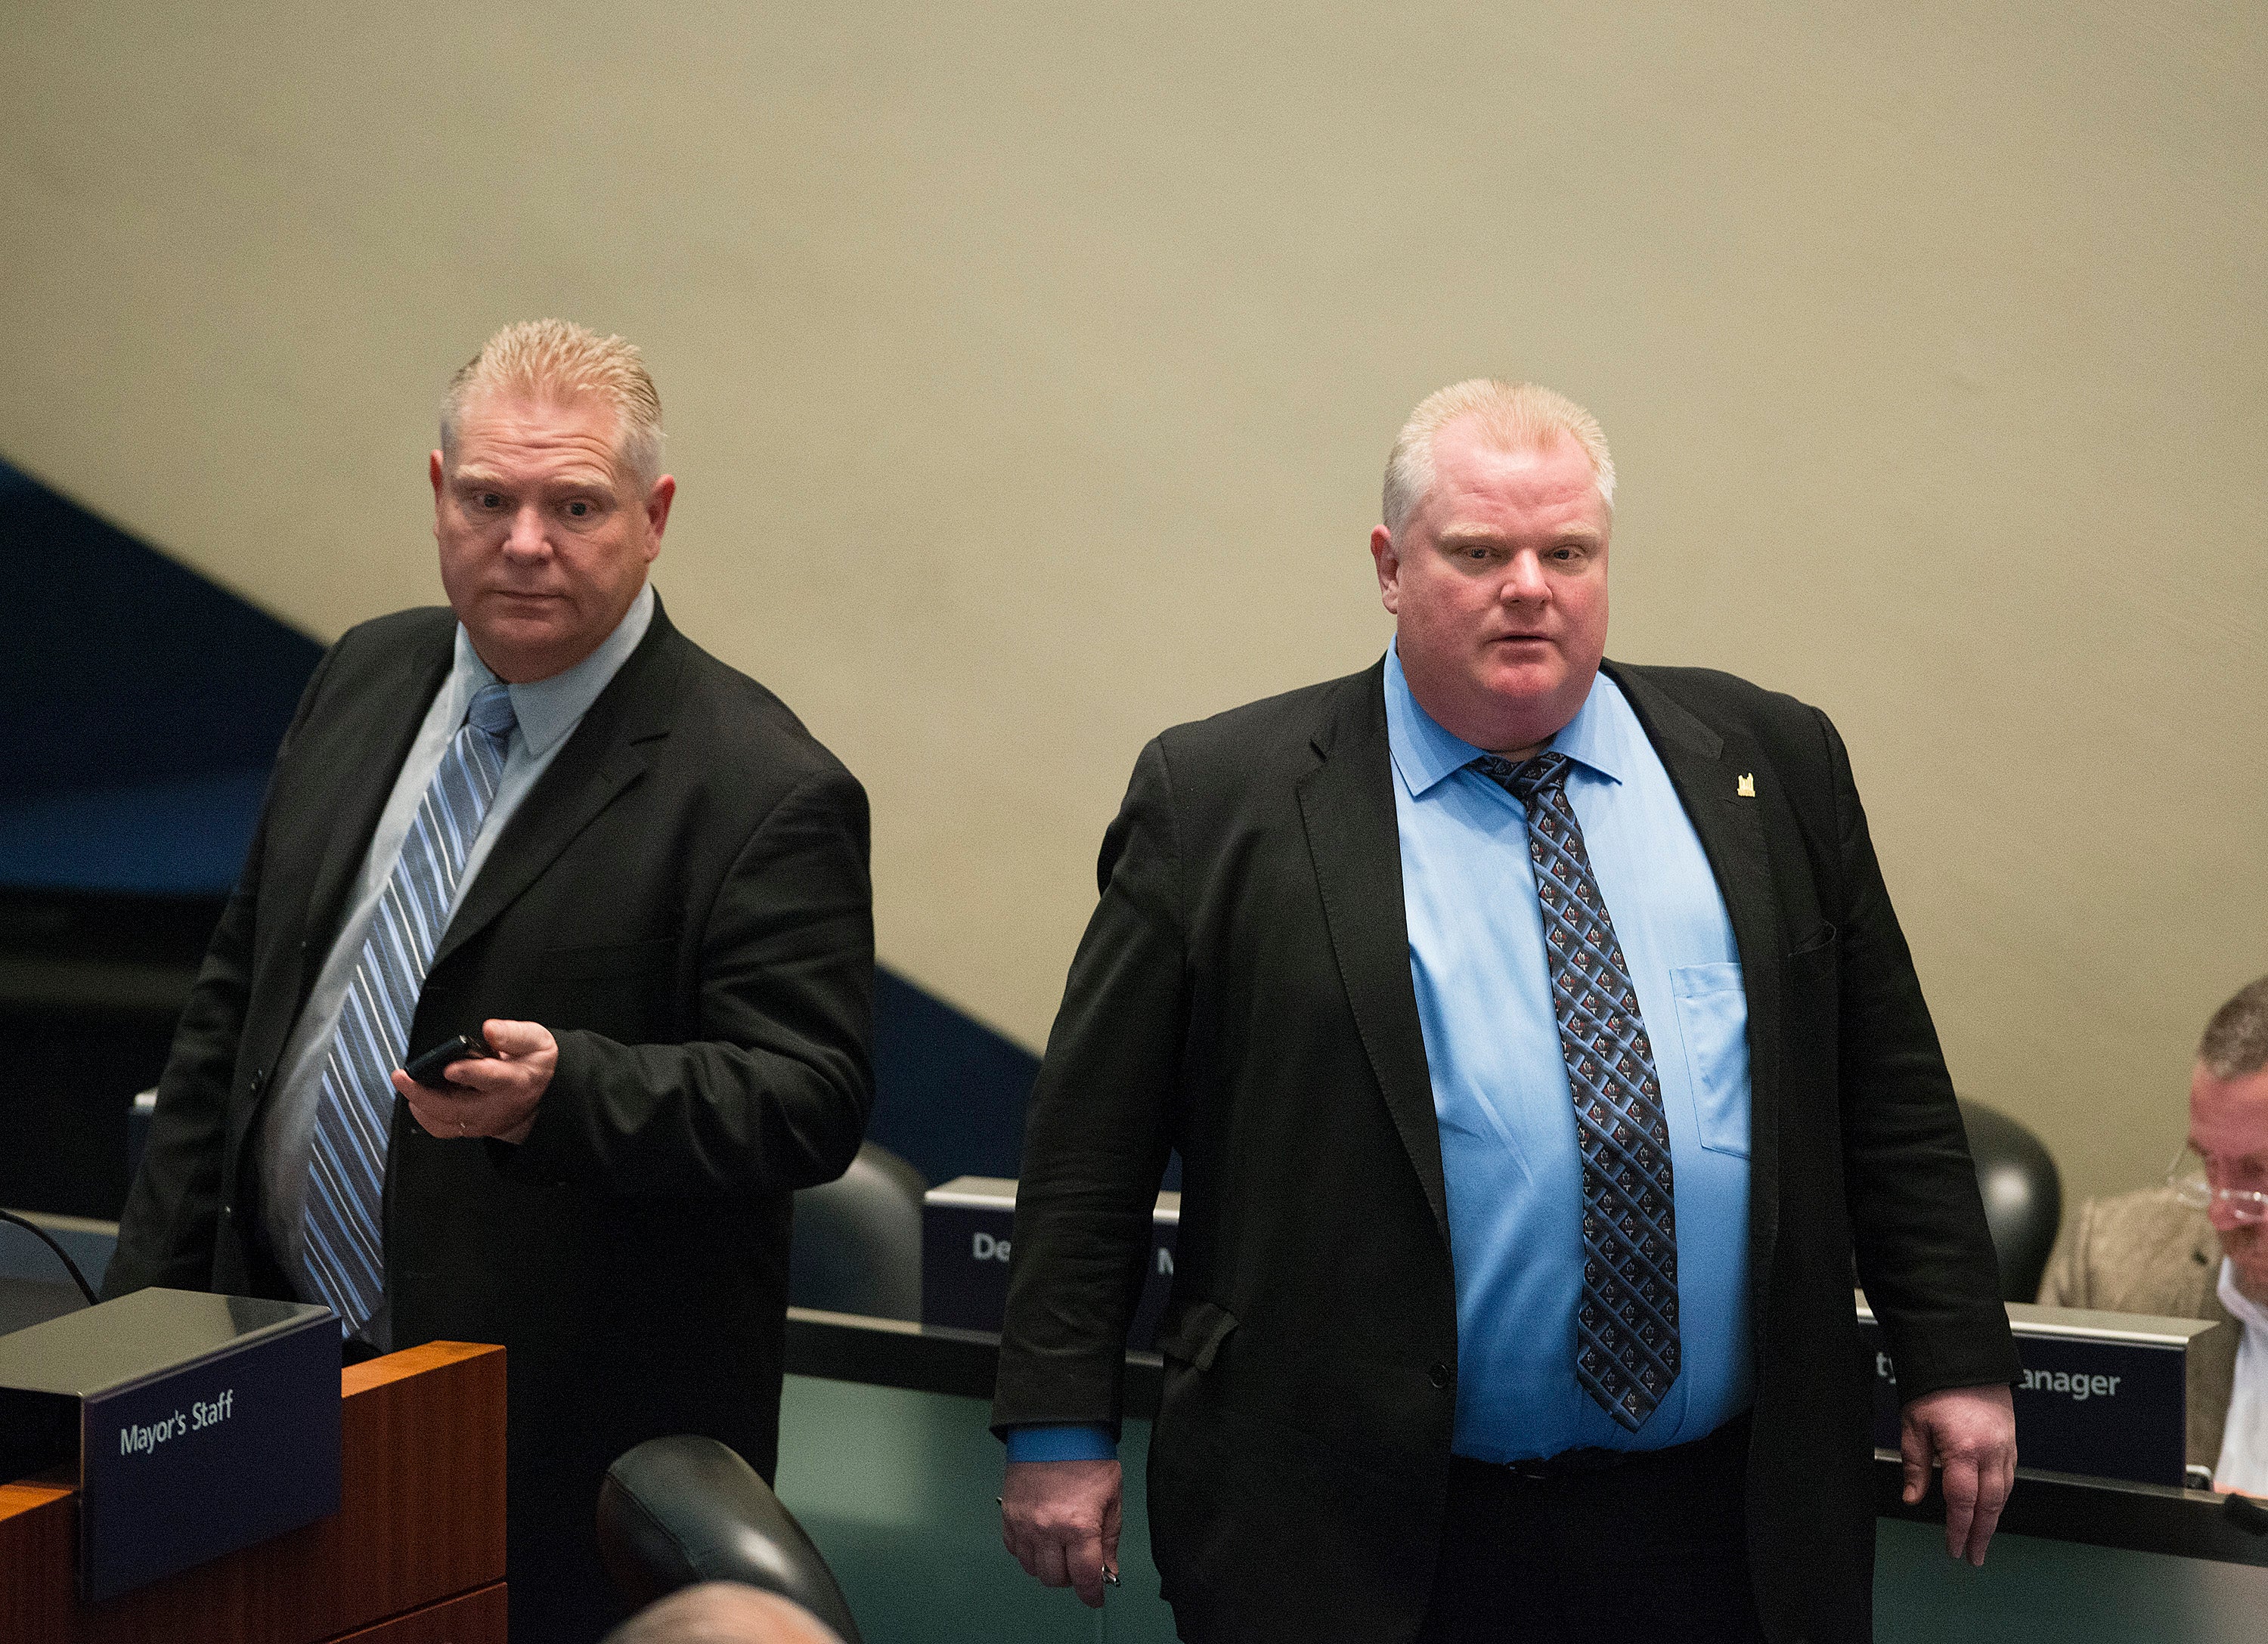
1030, 368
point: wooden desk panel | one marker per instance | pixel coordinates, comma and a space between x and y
421, 1520
475, 1619
38, 1556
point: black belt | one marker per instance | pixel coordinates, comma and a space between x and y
1569, 1463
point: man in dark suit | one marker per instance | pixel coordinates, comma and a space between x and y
1540, 1046
545, 816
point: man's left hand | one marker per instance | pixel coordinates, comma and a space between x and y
488, 1096
1971, 1433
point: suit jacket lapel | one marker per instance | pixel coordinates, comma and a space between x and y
354, 767
2205, 1256
1705, 770
2213, 1362
1356, 846
601, 757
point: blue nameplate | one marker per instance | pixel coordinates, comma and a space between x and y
196, 1424
967, 1226
2103, 1394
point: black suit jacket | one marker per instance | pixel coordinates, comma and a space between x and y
1243, 993
682, 899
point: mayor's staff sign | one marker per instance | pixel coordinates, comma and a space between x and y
193, 1424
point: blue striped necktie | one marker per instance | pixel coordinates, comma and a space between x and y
1627, 1351
346, 1163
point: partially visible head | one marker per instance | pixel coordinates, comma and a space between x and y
1492, 554
2229, 1123
723, 1612
549, 503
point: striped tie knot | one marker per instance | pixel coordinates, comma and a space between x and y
491, 712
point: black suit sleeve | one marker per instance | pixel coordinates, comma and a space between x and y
1099, 1127
771, 1090
1924, 1251
167, 1232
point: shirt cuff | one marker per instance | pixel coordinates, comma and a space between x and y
1067, 1442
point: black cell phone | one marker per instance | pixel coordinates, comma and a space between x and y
425, 1068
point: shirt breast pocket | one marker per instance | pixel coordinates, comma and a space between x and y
1713, 1017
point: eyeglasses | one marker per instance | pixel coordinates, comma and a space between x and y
2186, 1177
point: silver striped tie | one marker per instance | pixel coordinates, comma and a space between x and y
346, 1166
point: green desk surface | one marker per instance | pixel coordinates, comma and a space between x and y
896, 1487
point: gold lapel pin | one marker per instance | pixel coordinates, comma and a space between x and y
1748, 786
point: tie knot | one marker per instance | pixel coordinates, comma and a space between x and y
1523, 781
491, 711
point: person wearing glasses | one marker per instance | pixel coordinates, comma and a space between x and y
2197, 1247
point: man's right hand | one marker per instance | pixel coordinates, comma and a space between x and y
1060, 1518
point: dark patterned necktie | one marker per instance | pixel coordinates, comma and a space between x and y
1626, 1324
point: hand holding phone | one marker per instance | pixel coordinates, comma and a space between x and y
425, 1068
507, 1067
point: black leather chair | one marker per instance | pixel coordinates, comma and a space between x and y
857, 1241
674, 1511
2023, 1196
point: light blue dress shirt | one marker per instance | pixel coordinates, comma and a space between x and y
546, 711
1500, 1095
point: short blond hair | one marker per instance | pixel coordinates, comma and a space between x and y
1517, 416
557, 359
